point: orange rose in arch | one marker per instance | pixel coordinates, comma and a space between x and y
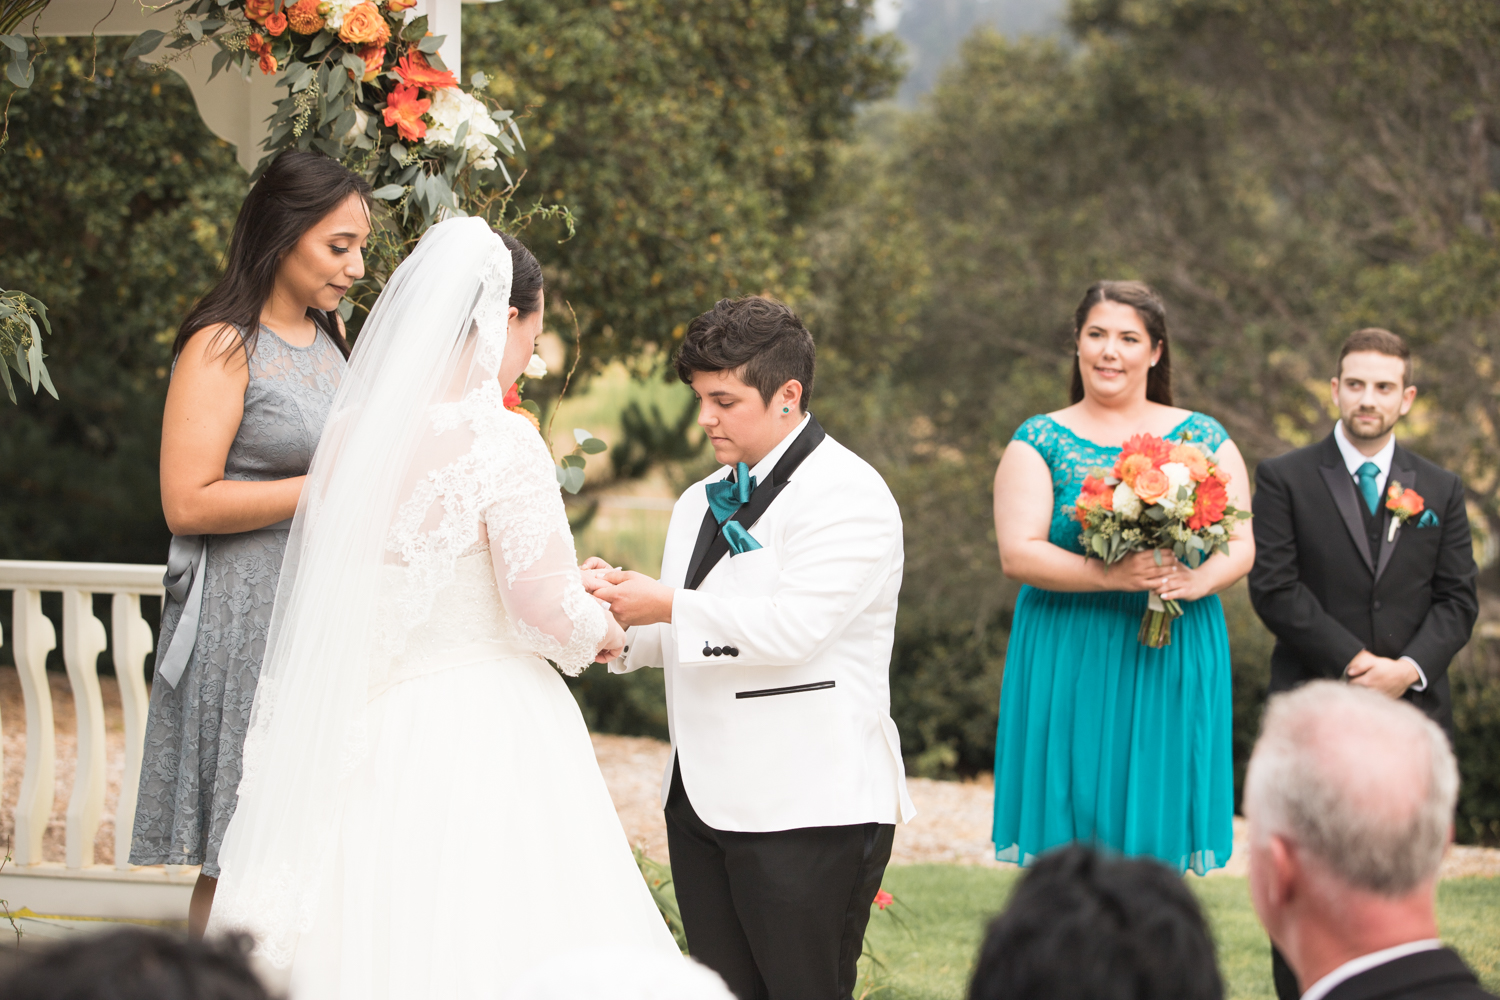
256, 45
276, 24
259, 10
397, 6
374, 57
1151, 485
267, 63
364, 25
304, 18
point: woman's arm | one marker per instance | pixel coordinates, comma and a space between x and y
1023, 517
205, 403
1220, 571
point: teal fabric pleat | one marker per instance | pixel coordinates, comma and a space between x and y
1105, 741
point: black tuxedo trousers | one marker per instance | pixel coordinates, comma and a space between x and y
780, 915
1327, 592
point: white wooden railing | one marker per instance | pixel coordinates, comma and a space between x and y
83, 639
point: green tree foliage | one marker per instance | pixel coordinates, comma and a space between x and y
115, 205
689, 137
1283, 172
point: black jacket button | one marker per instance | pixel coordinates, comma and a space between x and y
1377, 605
733, 651
718, 650
707, 650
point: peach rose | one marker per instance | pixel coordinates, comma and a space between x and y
276, 24
259, 10
267, 63
256, 44
374, 57
1190, 456
304, 18
397, 6
1151, 485
364, 25
1131, 466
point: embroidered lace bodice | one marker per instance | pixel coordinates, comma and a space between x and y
1071, 457
481, 560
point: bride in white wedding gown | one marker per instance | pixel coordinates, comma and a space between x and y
421, 813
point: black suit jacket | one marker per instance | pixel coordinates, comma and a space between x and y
1427, 975
1326, 596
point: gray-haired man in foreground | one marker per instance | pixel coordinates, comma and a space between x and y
1350, 798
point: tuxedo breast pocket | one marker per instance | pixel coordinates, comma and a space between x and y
755, 573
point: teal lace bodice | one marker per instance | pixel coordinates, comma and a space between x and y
1070, 458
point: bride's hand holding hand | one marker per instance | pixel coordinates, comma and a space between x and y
612, 643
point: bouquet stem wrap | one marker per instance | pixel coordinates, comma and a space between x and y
1156, 623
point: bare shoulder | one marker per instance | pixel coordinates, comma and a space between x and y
214, 349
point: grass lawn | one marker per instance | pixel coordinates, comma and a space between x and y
946, 907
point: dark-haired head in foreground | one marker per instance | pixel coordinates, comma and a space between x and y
137, 965
1089, 927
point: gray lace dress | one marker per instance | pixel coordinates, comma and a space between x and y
196, 729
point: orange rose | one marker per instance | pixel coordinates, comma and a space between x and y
397, 6
1131, 466
374, 57
256, 44
1151, 485
1095, 495
304, 18
276, 24
259, 10
1190, 456
364, 25
1208, 504
267, 63
1408, 502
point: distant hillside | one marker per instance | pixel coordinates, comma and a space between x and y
933, 29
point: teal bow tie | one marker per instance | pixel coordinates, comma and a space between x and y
724, 499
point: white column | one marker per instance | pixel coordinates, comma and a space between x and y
34, 638
132, 645
83, 640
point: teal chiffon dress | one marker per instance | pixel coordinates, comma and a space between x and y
1101, 739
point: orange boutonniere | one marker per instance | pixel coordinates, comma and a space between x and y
1404, 505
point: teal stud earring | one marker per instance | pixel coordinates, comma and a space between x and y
786, 409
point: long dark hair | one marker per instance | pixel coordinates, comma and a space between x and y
1153, 313
525, 276
297, 190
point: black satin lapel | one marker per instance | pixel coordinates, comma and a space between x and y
707, 532
1342, 488
716, 546
1407, 477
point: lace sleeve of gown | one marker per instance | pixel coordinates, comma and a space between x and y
536, 567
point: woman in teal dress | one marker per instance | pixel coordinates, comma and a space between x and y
1102, 739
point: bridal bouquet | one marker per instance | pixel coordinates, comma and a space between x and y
1159, 495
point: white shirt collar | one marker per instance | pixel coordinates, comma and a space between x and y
1365, 963
763, 468
1354, 458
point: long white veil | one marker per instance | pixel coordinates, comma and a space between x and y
436, 334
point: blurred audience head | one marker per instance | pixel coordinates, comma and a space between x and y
1089, 927
137, 965
620, 974
1350, 798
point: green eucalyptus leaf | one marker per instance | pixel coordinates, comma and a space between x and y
530, 406
145, 43
430, 44
574, 461
415, 30
10, 390
324, 39
18, 44
389, 192
19, 73
195, 28
593, 446
561, 471
573, 480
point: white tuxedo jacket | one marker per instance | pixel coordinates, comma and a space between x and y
778, 693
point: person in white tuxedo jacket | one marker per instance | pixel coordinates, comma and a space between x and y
774, 619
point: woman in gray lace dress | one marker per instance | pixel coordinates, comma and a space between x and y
257, 363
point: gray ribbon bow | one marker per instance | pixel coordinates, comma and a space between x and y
184, 581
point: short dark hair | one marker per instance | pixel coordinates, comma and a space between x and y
137, 964
1373, 338
1089, 927
757, 338
1153, 313
525, 276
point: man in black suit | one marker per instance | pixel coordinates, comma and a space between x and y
1350, 799
1350, 587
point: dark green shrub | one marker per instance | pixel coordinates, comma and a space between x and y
1475, 677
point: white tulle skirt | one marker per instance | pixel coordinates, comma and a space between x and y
479, 842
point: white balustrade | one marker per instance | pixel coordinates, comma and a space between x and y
83, 639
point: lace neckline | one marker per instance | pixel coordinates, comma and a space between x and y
1113, 447
317, 335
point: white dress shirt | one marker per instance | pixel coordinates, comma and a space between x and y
1365, 963
1353, 459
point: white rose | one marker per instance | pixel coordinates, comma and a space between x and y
361, 122
333, 12
536, 367
1178, 475
452, 107
1127, 504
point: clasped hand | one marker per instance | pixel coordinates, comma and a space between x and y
1171, 579
633, 598
1390, 677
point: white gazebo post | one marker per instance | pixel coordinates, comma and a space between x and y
234, 109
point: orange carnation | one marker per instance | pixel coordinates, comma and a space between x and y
1151, 485
416, 70
1209, 502
405, 110
267, 63
276, 24
364, 25
1128, 467
304, 18
259, 10
1190, 456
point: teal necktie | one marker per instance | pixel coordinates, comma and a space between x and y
724, 499
1366, 474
